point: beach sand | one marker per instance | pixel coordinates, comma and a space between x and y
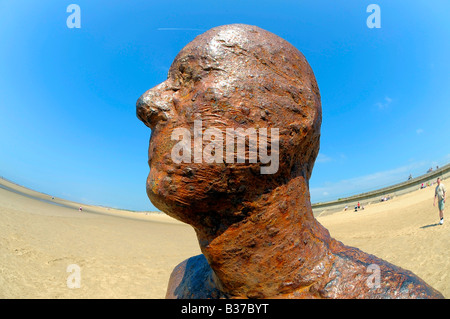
123, 254
120, 254
403, 231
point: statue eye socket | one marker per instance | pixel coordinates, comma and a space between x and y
186, 72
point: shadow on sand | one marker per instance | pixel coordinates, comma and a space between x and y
431, 225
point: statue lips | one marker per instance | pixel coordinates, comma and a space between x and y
256, 231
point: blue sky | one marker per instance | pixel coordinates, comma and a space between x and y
67, 96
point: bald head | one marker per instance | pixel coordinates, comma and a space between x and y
233, 76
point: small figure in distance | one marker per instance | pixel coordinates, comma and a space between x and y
439, 194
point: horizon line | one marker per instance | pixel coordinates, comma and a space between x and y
444, 167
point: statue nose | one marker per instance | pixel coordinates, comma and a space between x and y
153, 106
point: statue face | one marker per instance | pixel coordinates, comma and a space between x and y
234, 79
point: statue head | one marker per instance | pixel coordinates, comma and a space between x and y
238, 116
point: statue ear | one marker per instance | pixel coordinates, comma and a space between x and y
297, 131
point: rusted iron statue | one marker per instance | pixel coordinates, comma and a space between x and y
255, 225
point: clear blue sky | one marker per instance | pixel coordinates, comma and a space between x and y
67, 96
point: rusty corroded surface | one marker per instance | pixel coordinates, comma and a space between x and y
257, 233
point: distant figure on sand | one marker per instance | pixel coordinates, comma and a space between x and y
439, 194
80, 209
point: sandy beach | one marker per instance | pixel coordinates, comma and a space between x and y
403, 231
123, 254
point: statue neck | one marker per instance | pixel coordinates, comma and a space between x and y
279, 248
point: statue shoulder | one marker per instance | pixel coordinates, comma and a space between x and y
193, 279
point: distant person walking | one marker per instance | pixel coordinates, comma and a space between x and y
439, 194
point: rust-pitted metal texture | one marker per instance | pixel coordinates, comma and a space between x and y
257, 233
